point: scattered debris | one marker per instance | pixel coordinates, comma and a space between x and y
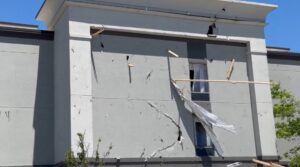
7, 114
270, 164
143, 153
107, 153
149, 74
130, 65
223, 81
94, 68
173, 53
234, 164
99, 31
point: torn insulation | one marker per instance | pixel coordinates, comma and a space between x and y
207, 119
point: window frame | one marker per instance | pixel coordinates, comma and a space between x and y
197, 96
209, 148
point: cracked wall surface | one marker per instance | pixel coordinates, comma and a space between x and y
122, 116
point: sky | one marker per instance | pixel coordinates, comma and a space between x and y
283, 29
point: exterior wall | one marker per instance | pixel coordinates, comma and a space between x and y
231, 102
94, 90
121, 94
287, 73
26, 101
121, 113
81, 19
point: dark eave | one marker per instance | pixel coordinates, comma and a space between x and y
26, 33
283, 55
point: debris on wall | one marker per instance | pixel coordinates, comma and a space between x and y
230, 69
7, 114
149, 74
143, 153
234, 164
173, 53
129, 68
207, 119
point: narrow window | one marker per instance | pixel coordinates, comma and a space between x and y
203, 143
200, 90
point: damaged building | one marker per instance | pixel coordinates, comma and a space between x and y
161, 83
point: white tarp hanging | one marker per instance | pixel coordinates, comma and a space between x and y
207, 119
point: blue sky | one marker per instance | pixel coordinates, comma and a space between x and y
283, 29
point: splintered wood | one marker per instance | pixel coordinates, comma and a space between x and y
230, 69
130, 65
223, 81
99, 31
270, 164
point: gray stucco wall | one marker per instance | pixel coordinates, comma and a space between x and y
26, 101
287, 73
231, 102
122, 116
62, 116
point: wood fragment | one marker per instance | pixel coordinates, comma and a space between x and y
230, 69
270, 164
130, 65
173, 53
98, 32
223, 81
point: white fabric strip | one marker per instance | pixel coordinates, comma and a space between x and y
207, 119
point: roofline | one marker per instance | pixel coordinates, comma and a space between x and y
283, 55
254, 3
26, 33
276, 47
18, 25
38, 13
156, 9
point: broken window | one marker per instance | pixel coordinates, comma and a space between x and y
204, 146
200, 90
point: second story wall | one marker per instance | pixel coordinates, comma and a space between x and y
121, 94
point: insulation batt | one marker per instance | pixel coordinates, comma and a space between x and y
207, 119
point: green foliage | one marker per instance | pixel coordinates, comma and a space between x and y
82, 157
287, 106
70, 159
288, 127
82, 154
295, 161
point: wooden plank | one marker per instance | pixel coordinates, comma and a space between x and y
270, 164
223, 81
230, 69
173, 53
